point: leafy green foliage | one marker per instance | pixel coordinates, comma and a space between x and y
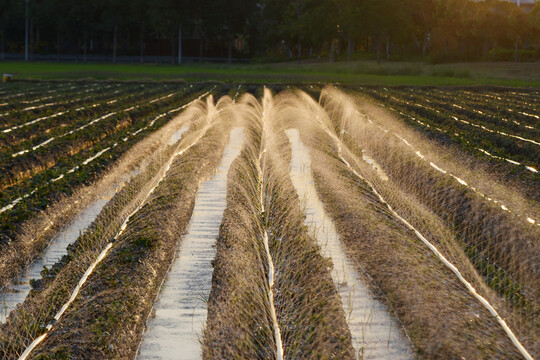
440, 30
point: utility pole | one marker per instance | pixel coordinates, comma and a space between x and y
179, 44
26, 34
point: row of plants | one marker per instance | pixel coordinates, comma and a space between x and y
44, 116
18, 121
442, 126
37, 140
524, 101
239, 319
448, 110
71, 171
498, 114
414, 168
33, 128
20, 89
108, 317
499, 249
92, 132
35, 231
24, 105
27, 322
272, 293
440, 317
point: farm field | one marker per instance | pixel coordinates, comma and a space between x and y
218, 221
413, 73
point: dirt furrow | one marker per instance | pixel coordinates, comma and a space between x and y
37, 233
179, 313
375, 334
56, 286
441, 316
289, 267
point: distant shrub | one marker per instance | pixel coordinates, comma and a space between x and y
450, 72
389, 69
502, 54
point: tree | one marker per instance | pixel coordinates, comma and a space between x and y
140, 22
534, 25
6, 11
423, 19
229, 18
347, 11
114, 15
386, 19
167, 17
447, 30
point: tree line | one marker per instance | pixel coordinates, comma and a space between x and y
440, 30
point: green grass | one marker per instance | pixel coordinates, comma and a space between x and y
358, 72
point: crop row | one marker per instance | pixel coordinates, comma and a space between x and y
451, 116
519, 109
79, 159
25, 124
524, 103
441, 318
70, 127
81, 255
488, 113
123, 287
42, 121
500, 246
445, 205
55, 100
271, 287
116, 299
517, 154
447, 111
14, 93
27, 103
417, 234
64, 196
434, 305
